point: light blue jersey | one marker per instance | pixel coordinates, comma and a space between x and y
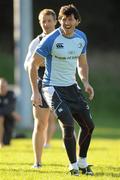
61, 55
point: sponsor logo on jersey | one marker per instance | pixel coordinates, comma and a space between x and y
59, 45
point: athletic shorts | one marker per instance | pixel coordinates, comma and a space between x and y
40, 74
41, 71
67, 99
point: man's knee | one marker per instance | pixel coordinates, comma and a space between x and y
40, 119
89, 127
39, 126
68, 132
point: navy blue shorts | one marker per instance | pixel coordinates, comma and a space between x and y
67, 103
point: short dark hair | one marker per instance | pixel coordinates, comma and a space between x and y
68, 10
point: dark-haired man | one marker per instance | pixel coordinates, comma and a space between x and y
65, 50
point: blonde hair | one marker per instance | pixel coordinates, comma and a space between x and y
47, 12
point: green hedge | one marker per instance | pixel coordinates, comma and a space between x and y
7, 67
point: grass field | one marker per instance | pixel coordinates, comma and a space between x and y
16, 160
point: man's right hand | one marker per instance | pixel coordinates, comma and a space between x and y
36, 99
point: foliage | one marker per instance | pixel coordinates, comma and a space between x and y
7, 67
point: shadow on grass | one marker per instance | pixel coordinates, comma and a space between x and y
114, 168
98, 174
32, 171
30, 164
54, 165
9, 163
107, 174
115, 171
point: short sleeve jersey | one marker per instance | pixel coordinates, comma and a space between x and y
31, 49
61, 54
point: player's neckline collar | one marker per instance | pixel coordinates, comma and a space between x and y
68, 37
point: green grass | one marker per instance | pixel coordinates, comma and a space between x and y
16, 160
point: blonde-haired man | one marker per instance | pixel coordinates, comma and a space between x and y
47, 21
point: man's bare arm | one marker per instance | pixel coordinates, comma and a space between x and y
33, 66
83, 71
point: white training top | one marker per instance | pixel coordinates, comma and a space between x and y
31, 49
61, 55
